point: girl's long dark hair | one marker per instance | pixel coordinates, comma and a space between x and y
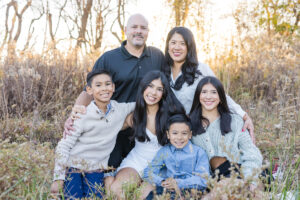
223, 109
190, 66
168, 105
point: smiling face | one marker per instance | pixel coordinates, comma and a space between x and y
177, 48
179, 134
102, 89
209, 98
137, 31
154, 92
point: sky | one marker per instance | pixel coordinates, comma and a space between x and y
217, 12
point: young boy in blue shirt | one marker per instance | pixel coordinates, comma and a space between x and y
81, 158
186, 165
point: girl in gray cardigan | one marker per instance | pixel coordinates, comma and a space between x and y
219, 132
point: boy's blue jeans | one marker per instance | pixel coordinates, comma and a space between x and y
79, 184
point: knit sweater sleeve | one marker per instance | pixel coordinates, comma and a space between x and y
129, 108
63, 149
251, 158
233, 106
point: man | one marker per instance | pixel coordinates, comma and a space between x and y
127, 65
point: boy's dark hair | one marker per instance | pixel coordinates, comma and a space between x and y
179, 118
93, 73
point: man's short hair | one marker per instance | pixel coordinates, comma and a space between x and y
93, 73
179, 118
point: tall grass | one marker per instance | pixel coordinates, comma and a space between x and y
37, 93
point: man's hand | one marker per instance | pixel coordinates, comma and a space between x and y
77, 109
57, 186
68, 127
248, 124
74, 115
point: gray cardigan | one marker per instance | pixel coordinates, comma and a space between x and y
236, 145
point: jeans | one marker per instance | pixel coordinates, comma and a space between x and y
80, 184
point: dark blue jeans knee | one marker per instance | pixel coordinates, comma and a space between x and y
79, 184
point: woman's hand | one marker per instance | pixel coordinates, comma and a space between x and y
248, 124
57, 187
68, 127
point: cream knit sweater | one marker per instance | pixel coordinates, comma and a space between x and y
89, 146
236, 146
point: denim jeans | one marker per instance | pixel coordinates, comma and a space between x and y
80, 184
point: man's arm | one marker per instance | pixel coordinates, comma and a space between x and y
83, 99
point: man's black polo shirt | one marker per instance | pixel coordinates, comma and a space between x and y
127, 70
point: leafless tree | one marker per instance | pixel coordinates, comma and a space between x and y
53, 31
40, 10
11, 36
181, 10
120, 20
86, 21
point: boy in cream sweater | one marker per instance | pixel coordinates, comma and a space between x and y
82, 157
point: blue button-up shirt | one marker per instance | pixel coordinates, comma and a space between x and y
189, 166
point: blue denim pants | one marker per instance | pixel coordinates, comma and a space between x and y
80, 184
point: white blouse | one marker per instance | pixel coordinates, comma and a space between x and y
142, 154
186, 94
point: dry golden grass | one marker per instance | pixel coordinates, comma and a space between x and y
37, 93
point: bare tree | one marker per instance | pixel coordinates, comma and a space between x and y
41, 12
281, 16
101, 10
120, 19
86, 8
53, 31
181, 10
86, 21
11, 36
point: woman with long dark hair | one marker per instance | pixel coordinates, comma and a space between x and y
184, 71
218, 132
154, 103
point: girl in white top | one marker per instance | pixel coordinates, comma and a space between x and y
184, 72
155, 102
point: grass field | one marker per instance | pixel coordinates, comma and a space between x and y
37, 94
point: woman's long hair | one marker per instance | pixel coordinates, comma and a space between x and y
167, 105
190, 66
223, 109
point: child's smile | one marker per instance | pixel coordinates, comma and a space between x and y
153, 93
102, 89
179, 135
209, 97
